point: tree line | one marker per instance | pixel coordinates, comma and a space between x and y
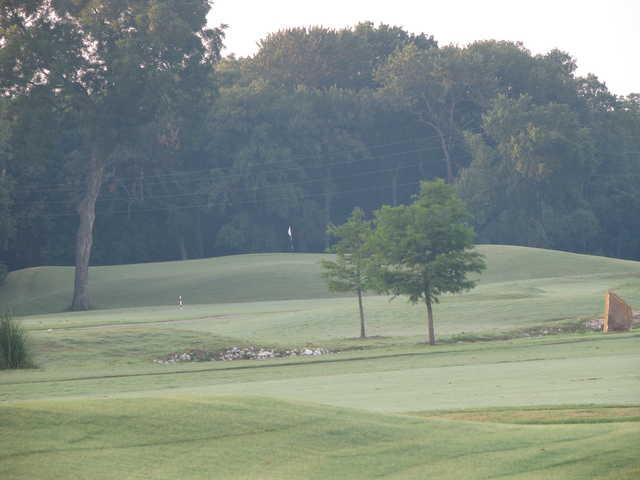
126, 137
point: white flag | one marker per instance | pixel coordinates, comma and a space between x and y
290, 232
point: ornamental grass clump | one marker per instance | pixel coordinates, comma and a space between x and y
14, 351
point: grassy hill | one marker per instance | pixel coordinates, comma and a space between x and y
534, 406
252, 278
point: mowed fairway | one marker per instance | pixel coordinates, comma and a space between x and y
525, 403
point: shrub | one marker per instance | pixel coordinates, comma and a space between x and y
13, 344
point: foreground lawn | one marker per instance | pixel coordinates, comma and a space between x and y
233, 437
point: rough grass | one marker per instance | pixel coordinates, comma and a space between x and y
14, 349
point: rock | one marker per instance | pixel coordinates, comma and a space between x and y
594, 324
618, 315
238, 353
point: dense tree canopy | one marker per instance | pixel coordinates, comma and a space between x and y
192, 157
109, 69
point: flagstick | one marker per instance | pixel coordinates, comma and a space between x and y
290, 233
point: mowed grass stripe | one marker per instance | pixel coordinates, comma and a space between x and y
549, 371
548, 415
204, 437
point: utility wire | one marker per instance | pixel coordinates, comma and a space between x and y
67, 187
225, 177
249, 202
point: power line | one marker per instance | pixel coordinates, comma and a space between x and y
287, 184
66, 187
251, 202
225, 177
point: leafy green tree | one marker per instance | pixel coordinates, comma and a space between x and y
613, 188
112, 66
434, 85
7, 222
349, 272
528, 176
319, 57
259, 188
425, 249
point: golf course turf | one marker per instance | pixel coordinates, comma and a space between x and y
517, 388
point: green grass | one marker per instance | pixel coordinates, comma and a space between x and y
248, 438
534, 406
548, 371
278, 276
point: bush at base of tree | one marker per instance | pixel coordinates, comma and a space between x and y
13, 344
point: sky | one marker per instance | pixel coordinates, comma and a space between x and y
603, 36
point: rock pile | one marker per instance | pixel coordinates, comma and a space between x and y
239, 353
594, 324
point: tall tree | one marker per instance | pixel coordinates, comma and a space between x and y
112, 65
6, 183
319, 57
349, 272
433, 84
425, 249
528, 178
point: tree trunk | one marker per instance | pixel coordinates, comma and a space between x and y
182, 249
328, 193
84, 237
431, 337
363, 333
394, 188
447, 157
198, 236
445, 148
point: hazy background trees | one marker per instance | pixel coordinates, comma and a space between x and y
318, 121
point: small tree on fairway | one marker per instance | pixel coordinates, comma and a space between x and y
425, 249
349, 272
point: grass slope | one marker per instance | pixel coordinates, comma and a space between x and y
242, 278
251, 438
533, 407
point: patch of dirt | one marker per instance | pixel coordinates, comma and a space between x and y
546, 415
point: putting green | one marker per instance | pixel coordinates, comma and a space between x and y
251, 278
